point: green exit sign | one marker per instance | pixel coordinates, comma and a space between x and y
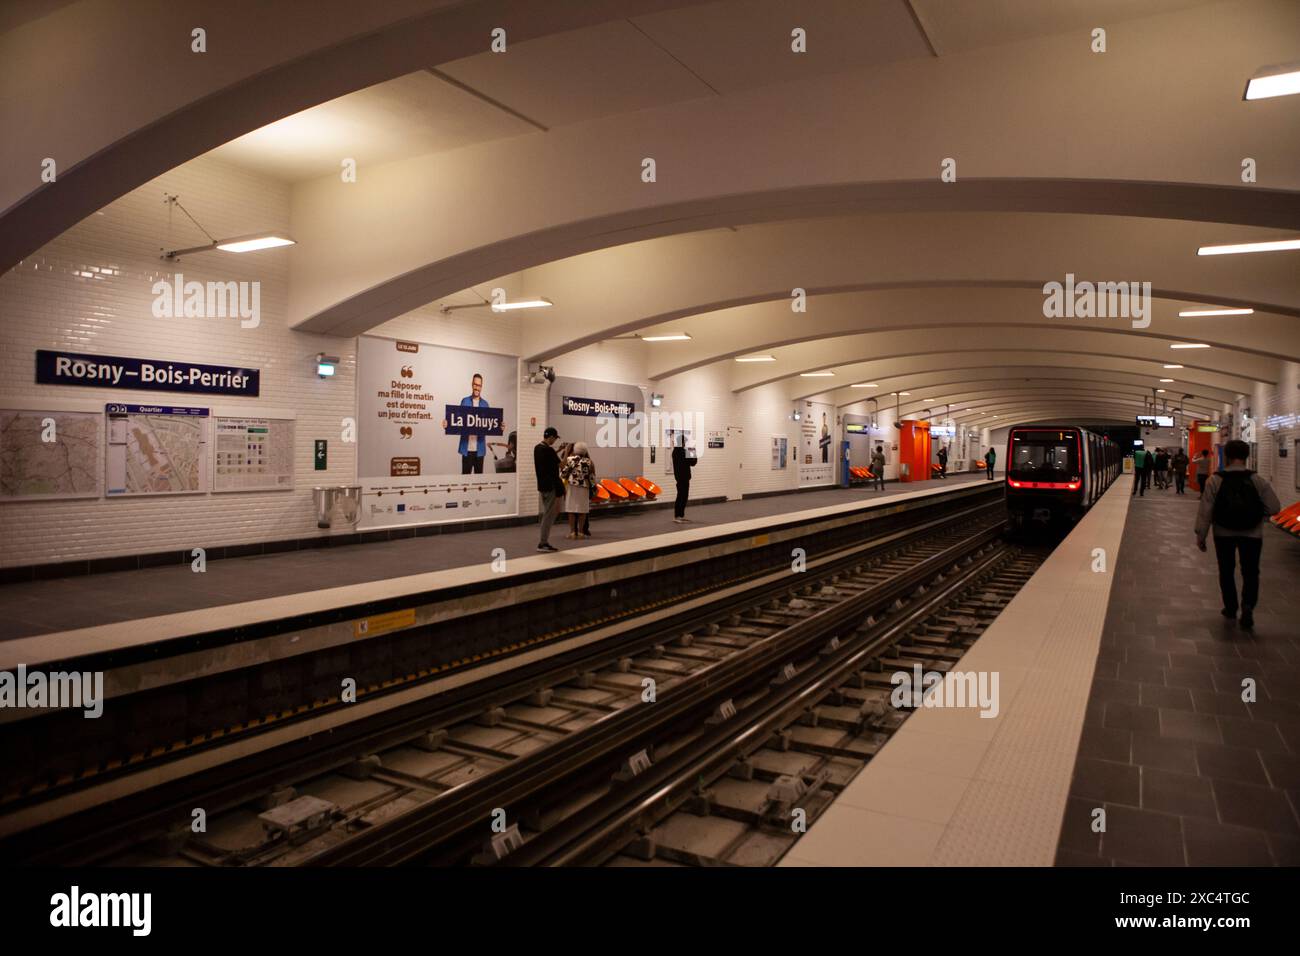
321, 453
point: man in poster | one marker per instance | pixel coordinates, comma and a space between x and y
473, 445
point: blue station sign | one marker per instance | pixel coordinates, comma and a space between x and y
139, 374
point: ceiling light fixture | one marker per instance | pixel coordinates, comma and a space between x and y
1270, 81
816, 374
1189, 345
536, 303
1173, 366
1166, 380
1235, 248
1191, 313
249, 243
756, 358
864, 385
669, 337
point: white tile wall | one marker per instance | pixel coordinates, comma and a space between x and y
90, 291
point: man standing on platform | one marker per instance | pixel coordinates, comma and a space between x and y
550, 488
1139, 472
1235, 503
943, 462
990, 459
682, 465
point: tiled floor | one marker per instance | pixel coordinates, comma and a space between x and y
42, 607
1187, 772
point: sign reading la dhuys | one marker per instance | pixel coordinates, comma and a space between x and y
141, 374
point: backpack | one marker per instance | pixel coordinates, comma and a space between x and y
1237, 506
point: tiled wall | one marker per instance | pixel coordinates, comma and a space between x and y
91, 291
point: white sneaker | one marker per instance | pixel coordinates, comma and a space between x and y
679, 521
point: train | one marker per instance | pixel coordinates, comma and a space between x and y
1056, 472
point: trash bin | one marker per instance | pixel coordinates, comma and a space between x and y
347, 498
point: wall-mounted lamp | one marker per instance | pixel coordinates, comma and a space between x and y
796, 416
656, 399
541, 375
326, 365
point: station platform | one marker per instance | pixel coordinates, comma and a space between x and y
63, 604
1118, 691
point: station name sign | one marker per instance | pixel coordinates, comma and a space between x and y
139, 374
596, 407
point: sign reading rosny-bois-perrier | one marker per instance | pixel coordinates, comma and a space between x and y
149, 375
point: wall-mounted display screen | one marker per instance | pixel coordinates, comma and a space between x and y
1156, 421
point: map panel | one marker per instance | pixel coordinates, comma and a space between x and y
155, 450
49, 454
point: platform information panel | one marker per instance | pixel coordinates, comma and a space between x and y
253, 454
156, 450
50, 454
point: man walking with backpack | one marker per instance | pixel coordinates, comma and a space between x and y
1235, 503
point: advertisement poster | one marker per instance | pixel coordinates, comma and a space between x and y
436, 433
816, 458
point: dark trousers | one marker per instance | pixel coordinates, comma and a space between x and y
471, 464
679, 505
1140, 479
988, 467
879, 480
1180, 479
1201, 479
1225, 549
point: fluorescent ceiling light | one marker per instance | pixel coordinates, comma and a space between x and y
1189, 345
864, 385
816, 374
757, 358
1190, 313
1232, 249
253, 243
670, 337
1173, 366
1274, 81
1159, 389
522, 304
1166, 380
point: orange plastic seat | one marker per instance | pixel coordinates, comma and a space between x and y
615, 490
651, 489
633, 489
600, 494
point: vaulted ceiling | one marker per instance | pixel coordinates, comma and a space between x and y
774, 171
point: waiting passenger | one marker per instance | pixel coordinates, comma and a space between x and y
682, 465
943, 462
579, 476
878, 467
1235, 503
550, 487
1140, 472
1179, 464
990, 459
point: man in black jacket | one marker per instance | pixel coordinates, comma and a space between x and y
550, 488
682, 466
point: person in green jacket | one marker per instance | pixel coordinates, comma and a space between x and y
990, 459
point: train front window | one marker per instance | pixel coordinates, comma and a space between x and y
1044, 456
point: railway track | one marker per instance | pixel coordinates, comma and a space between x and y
550, 757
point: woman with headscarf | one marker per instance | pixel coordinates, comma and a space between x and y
579, 476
